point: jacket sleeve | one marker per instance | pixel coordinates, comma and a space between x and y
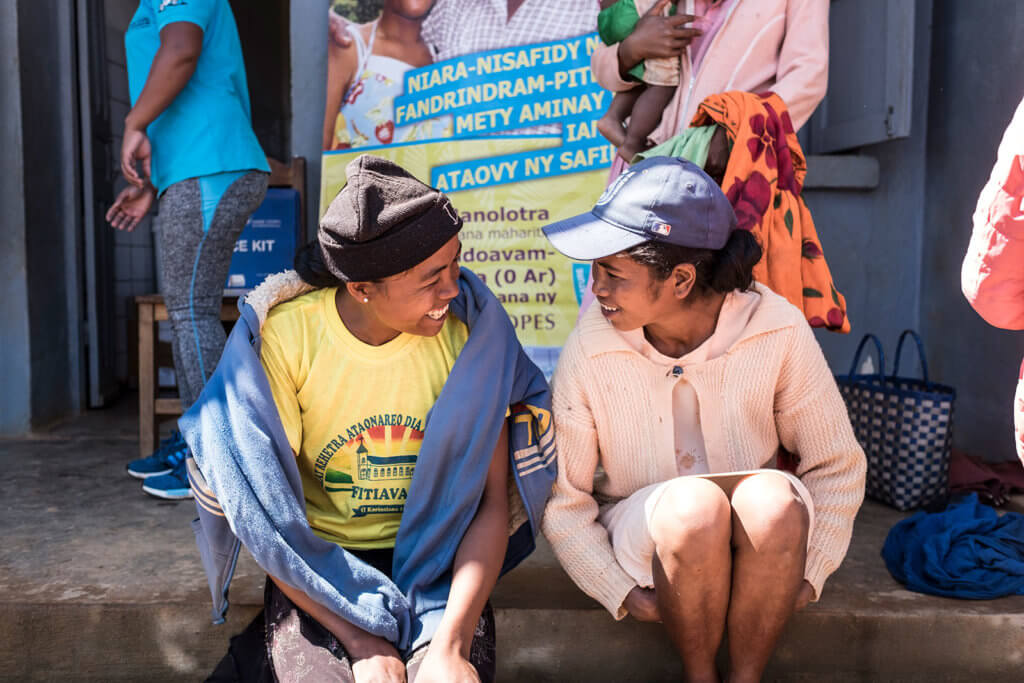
604, 64
801, 77
813, 422
570, 522
992, 276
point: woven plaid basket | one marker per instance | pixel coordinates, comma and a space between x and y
905, 427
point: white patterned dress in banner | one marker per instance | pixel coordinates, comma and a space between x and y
366, 116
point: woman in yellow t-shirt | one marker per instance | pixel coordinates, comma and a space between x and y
354, 367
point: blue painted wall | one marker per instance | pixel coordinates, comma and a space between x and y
896, 251
52, 209
872, 240
14, 360
308, 30
38, 345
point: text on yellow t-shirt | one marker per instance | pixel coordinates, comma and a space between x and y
354, 413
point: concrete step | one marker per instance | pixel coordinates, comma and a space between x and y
99, 582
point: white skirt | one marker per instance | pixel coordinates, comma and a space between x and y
629, 520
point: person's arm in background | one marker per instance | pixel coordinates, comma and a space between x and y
802, 74
130, 206
475, 570
654, 36
342, 62
181, 42
992, 276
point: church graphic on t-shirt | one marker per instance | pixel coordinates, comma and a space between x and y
400, 461
377, 464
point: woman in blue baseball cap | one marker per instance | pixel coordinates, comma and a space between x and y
683, 386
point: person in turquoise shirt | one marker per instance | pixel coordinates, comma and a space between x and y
188, 140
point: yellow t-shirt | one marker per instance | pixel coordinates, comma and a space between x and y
353, 413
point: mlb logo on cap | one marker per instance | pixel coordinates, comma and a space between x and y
664, 199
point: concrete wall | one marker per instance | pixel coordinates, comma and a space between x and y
50, 150
977, 82
41, 310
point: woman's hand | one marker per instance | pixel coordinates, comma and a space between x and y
642, 604
445, 665
375, 660
656, 36
804, 595
135, 148
131, 205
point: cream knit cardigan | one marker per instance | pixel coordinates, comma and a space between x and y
613, 408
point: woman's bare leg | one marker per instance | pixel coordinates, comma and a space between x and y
769, 538
690, 526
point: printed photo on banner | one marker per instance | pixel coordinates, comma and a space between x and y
365, 76
500, 112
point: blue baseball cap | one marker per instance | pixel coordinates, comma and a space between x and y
661, 199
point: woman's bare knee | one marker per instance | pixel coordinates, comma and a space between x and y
769, 511
692, 512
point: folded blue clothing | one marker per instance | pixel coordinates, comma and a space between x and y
966, 551
250, 492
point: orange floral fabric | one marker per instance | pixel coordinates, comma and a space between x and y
763, 181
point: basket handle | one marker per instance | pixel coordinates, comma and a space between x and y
881, 356
920, 354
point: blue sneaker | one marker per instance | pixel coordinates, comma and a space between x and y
159, 462
172, 486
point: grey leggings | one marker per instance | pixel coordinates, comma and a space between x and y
195, 254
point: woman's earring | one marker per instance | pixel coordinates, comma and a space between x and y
366, 299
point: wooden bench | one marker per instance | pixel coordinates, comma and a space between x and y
151, 310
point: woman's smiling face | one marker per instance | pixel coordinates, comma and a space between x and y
627, 293
416, 301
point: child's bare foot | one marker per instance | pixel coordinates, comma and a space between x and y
612, 129
629, 149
